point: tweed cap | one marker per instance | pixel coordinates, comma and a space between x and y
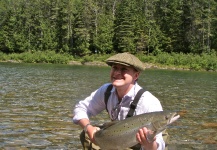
126, 59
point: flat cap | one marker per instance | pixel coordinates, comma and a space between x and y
126, 59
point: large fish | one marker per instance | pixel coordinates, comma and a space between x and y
119, 135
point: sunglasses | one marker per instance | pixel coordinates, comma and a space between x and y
115, 111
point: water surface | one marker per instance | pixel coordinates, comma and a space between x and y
36, 103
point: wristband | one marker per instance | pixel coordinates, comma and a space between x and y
85, 128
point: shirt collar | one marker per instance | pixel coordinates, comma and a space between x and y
132, 92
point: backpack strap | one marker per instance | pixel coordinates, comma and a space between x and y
134, 103
107, 94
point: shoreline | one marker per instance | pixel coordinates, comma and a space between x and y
99, 63
175, 61
148, 65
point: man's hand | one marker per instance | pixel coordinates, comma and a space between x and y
141, 138
90, 131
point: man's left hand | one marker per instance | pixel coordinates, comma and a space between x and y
141, 138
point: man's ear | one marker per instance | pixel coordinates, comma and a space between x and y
137, 75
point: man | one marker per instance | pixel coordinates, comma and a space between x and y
125, 71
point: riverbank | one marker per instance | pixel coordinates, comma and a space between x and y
98, 63
174, 61
148, 65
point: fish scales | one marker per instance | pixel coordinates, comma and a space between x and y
122, 134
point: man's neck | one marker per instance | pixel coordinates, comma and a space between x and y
122, 91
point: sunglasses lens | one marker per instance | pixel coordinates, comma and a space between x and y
115, 112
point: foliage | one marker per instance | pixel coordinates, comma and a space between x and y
179, 60
175, 60
177, 32
37, 57
85, 27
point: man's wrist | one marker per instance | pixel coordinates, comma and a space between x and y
85, 127
151, 146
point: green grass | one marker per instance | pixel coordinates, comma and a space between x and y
38, 57
175, 60
188, 61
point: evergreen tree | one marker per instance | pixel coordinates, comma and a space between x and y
83, 27
124, 27
213, 26
102, 32
169, 17
81, 36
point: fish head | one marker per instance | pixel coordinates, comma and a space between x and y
172, 117
160, 122
165, 118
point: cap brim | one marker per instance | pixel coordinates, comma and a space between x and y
111, 62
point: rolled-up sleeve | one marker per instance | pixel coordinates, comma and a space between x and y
160, 141
90, 106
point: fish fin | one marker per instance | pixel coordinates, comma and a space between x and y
150, 136
108, 124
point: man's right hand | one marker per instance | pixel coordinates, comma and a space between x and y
91, 131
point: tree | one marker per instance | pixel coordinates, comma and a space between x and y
169, 17
102, 30
81, 36
124, 27
83, 27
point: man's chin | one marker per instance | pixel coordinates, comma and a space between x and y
117, 84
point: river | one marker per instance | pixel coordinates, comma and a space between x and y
36, 103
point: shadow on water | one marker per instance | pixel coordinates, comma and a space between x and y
36, 103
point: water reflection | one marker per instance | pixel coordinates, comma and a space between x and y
36, 102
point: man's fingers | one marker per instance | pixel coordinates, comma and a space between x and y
140, 136
97, 128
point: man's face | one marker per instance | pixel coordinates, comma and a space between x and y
122, 75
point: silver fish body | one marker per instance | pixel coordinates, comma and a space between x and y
119, 135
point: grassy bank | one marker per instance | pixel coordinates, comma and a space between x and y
206, 62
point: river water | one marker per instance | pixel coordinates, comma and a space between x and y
36, 103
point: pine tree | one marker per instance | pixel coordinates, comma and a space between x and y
102, 31
81, 36
124, 27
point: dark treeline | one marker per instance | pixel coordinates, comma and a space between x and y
83, 27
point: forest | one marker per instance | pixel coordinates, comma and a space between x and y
82, 28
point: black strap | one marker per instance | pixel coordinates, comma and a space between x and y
134, 103
107, 94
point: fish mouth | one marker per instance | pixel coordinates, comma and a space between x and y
174, 117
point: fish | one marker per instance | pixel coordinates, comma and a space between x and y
119, 135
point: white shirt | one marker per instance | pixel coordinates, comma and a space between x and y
94, 104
